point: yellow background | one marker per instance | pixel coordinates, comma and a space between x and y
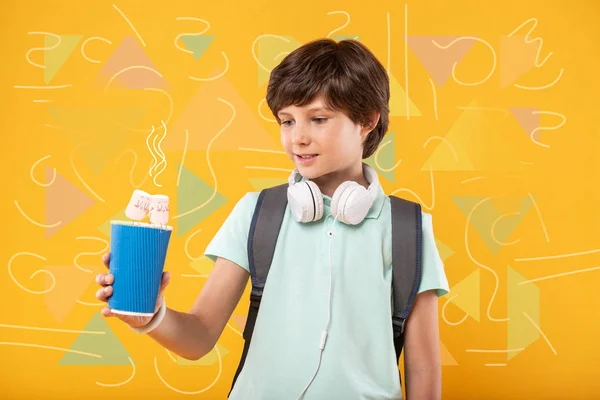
554, 186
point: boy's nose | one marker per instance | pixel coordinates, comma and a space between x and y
300, 136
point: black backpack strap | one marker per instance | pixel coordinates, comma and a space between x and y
406, 263
262, 239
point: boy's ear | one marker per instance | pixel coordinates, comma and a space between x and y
374, 120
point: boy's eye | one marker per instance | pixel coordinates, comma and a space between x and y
318, 120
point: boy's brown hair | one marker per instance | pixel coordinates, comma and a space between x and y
345, 73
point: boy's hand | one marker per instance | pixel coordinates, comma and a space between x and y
106, 281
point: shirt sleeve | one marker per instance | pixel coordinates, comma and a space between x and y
231, 240
433, 275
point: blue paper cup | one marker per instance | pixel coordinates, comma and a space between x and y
137, 260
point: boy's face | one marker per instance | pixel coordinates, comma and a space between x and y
321, 141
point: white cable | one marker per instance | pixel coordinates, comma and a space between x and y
331, 234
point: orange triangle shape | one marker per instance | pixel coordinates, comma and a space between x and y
71, 283
64, 202
445, 356
437, 57
517, 57
528, 120
240, 321
205, 116
140, 76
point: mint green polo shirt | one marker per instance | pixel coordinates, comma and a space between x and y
359, 360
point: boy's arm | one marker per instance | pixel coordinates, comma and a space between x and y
192, 335
422, 366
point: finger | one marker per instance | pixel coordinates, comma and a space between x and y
104, 293
106, 259
105, 279
106, 312
100, 278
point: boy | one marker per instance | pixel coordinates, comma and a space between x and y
324, 326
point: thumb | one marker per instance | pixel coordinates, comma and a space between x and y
166, 279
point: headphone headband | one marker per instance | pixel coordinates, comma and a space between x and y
372, 178
368, 171
292, 179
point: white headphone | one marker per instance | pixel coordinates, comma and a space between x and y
350, 201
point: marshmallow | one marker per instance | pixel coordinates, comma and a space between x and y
138, 205
159, 209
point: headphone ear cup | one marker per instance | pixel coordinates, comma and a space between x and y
318, 200
356, 205
306, 201
352, 201
338, 199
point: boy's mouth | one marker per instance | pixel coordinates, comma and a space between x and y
305, 159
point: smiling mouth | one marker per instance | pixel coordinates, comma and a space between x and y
306, 156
